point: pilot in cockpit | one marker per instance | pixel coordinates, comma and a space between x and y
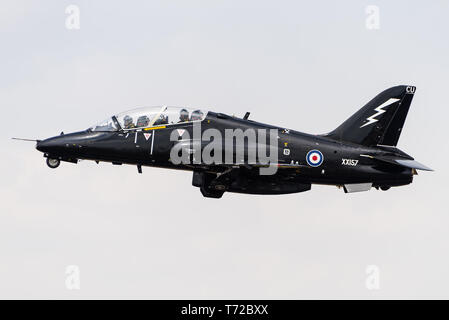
183, 115
197, 115
142, 121
128, 122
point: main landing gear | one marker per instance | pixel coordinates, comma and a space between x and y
209, 186
383, 188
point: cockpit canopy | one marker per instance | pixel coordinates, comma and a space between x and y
150, 117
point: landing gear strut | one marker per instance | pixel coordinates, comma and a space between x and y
53, 163
205, 181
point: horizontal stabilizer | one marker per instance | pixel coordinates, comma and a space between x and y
413, 164
408, 163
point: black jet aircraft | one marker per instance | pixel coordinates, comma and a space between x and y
359, 154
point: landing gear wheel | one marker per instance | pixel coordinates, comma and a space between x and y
53, 163
384, 188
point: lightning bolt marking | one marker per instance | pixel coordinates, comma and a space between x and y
379, 110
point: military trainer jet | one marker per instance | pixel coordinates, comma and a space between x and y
227, 153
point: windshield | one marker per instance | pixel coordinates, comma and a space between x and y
106, 125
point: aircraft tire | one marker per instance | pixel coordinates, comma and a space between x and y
53, 163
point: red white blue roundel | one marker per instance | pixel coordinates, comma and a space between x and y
314, 158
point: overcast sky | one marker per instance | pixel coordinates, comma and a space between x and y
306, 66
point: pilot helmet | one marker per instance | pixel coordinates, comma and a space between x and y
142, 121
184, 115
127, 120
197, 115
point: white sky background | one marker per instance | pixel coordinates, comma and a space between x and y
303, 66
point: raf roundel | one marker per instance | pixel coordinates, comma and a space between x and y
314, 158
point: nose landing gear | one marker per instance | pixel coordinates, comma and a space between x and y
53, 163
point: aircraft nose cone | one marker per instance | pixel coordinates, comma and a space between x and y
50, 145
70, 144
40, 145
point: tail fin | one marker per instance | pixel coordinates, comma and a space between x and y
380, 121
